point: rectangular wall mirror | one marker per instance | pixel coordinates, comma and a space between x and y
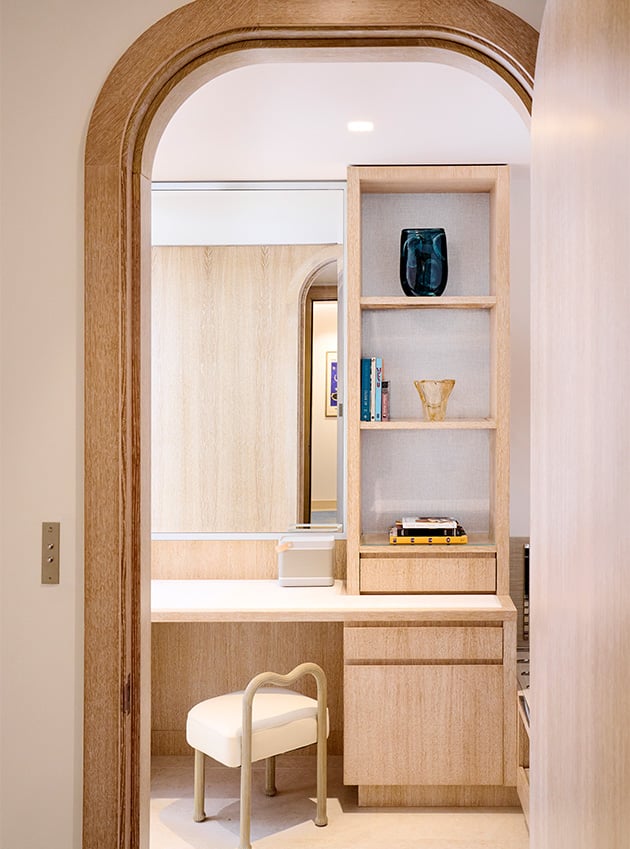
247, 357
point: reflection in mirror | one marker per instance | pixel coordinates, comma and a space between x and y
228, 358
321, 399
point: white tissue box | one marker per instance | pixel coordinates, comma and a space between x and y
306, 560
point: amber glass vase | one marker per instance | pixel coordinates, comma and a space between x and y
434, 395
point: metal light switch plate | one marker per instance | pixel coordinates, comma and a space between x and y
50, 552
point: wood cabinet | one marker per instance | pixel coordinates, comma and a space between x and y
408, 465
425, 705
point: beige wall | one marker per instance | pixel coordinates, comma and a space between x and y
55, 58
580, 755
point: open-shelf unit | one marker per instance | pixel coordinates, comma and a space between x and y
407, 465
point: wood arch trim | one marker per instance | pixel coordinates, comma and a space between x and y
164, 65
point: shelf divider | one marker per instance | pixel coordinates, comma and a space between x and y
444, 302
423, 424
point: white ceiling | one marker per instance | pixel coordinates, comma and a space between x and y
288, 122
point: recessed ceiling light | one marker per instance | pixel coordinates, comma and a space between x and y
360, 126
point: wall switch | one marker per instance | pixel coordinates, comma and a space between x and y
50, 552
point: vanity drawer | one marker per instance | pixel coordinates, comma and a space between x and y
423, 643
436, 574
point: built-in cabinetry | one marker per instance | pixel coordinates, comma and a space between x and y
408, 465
447, 683
429, 708
421, 688
427, 673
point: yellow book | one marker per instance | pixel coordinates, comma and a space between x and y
394, 539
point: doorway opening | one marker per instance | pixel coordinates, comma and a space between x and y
188, 45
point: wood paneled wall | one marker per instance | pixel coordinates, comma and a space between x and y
226, 384
242, 559
195, 661
580, 573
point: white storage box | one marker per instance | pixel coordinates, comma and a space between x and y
306, 560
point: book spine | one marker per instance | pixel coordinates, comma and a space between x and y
378, 388
372, 389
398, 540
365, 389
408, 522
385, 401
426, 532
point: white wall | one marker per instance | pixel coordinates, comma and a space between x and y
274, 217
54, 60
519, 350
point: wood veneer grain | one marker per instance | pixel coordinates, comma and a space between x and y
396, 796
196, 661
206, 559
428, 575
423, 643
225, 415
433, 745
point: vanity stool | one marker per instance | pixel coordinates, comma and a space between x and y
240, 728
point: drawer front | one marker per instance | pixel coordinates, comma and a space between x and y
423, 643
431, 725
428, 574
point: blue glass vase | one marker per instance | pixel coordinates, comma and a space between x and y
423, 261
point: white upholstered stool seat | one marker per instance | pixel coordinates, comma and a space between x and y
259, 723
282, 720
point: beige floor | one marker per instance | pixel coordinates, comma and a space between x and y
285, 821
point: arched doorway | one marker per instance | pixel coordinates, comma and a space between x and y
154, 76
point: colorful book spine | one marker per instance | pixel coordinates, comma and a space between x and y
365, 389
394, 539
378, 388
426, 532
372, 392
371, 389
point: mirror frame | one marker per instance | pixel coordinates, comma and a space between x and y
153, 77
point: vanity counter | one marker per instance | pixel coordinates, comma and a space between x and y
267, 601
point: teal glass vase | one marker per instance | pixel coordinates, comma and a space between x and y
423, 261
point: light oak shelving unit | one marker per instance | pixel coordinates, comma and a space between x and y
476, 200
453, 682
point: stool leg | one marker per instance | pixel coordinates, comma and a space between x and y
322, 764
199, 791
270, 776
246, 803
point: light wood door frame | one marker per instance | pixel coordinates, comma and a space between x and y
153, 77
319, 293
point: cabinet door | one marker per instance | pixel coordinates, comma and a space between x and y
435, 724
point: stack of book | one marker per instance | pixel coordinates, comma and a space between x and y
427, 530
372, 402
